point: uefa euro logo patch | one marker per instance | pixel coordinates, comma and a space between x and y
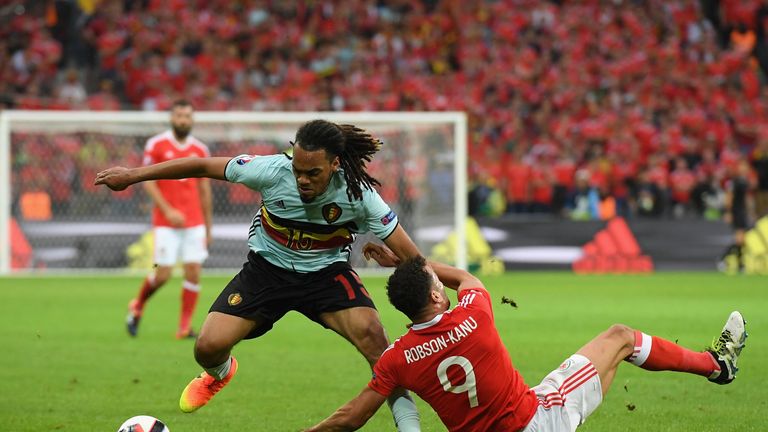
242, 160
331, 212
388, 218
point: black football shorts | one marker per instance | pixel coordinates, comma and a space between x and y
263, 290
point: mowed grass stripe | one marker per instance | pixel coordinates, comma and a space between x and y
68, 365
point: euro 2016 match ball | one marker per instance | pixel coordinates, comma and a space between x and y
143, 423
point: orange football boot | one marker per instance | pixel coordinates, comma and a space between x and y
201, 389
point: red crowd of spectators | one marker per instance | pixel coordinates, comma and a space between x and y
636, 99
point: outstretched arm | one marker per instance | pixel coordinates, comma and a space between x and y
451, 276
401, 244
353, 415
119, 178
455, 278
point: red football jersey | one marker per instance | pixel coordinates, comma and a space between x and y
458, 364
183, 194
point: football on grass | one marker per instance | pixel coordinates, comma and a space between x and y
143, 423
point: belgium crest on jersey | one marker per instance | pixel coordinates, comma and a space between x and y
234, 299
331, 212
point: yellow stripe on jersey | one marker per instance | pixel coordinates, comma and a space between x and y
304, 237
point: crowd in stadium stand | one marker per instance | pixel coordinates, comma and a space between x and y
584, 109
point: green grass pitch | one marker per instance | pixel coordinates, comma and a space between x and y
67, 363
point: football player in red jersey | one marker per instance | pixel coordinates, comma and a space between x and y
181, 220
455, 360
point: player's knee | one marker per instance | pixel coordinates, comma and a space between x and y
621, 333
162, 276
209, 349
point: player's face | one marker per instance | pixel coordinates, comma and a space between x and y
439, 290
181, 121
313, 172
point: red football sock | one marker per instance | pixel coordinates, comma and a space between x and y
148, 288
189, 294
658, 354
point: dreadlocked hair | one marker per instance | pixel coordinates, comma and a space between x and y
354, 147
409, 286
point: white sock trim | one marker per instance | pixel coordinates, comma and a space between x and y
220, 371
187, 285
640, 355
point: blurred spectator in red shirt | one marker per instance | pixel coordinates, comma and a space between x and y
682, 181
